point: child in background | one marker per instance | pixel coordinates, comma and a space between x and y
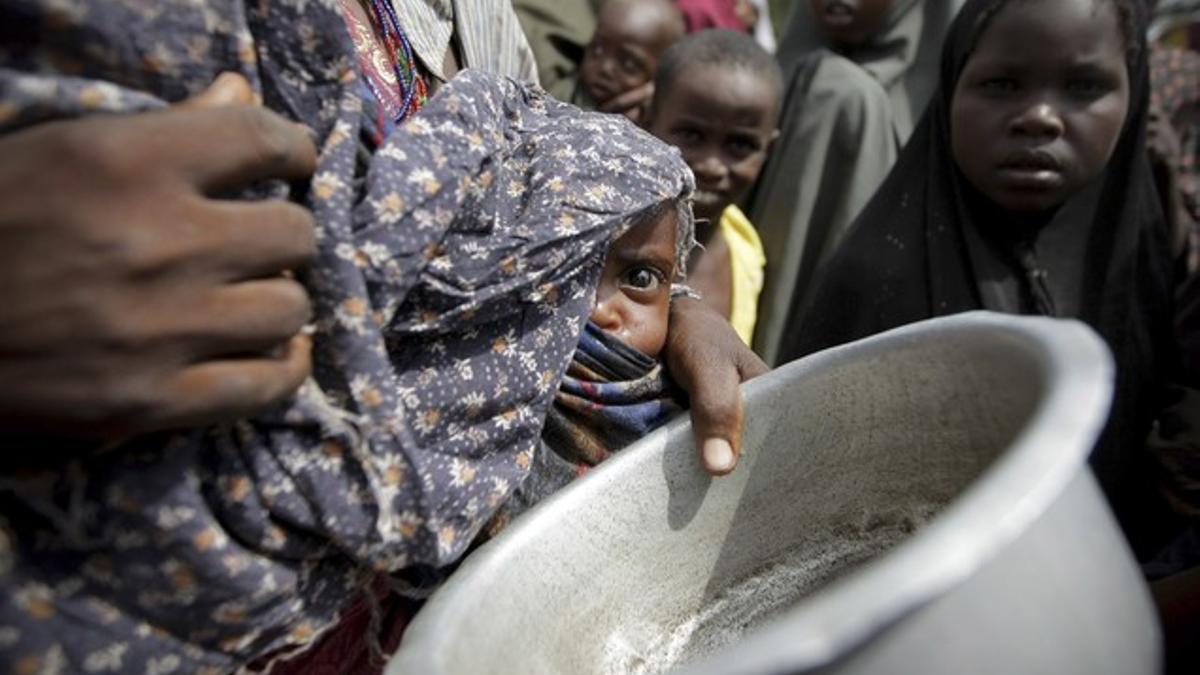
617, 72
856, 74
1026, 189
717, 98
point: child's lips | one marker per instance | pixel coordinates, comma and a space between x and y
838, 13
1035, 160
1032, 170
599, 91
1026, 178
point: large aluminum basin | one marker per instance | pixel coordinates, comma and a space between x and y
960, 443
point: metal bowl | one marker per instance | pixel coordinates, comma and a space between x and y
915, 502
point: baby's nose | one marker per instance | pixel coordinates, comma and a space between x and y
606, 316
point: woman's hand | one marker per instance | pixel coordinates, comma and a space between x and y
134, 299
708, 359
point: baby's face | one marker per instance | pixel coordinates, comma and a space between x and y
624, 51
723, 120
634, 296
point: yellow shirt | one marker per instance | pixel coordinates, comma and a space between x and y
746, 262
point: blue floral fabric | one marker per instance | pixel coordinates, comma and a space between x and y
611, 396
451, 285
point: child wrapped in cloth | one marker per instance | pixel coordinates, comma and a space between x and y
615, 390
455, 269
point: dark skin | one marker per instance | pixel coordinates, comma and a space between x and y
92, 341
622, 57
851, 23
723, 119
141, 237
633, 298
1041, 102
709, 361
82, 374
703, 353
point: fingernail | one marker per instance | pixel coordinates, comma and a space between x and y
718, 454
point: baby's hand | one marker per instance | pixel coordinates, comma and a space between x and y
708, 359
634, 103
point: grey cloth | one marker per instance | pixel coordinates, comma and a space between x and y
903, 58
488, 33
844, 121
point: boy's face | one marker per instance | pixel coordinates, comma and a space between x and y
723, 119
851, 22
1040, 104
623, 54
634, 296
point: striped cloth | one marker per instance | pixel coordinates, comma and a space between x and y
489, 36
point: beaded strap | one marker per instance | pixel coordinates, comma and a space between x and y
408, 78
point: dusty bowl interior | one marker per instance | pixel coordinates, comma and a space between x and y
951, 439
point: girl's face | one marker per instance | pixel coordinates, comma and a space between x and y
1041, 102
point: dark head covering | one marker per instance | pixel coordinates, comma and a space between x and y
927, 245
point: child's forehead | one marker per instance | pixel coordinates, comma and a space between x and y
652, 236
1021, 31
636, 20
754, 91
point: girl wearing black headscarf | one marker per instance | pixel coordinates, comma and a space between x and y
1026, 189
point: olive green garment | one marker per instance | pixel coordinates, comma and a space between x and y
781, 11
844, 121
903, 57
558, 31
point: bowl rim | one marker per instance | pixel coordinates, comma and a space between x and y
1047, 453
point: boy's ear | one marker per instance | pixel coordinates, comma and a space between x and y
774, 137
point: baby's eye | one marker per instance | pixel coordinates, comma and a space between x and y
644, 278
686, 136
630, 65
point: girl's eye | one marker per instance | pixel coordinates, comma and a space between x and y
686, 136
629, 65
644, 278
1088, 88
743, 147
999, 85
